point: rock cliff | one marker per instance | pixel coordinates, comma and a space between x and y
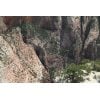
18, 61
32, 46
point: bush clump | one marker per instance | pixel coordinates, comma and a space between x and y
35, 30
74, 73
97, 65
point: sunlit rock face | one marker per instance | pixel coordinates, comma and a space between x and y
18, 61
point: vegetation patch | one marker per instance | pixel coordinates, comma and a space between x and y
35, 30
97, 65
74, 73
53, 48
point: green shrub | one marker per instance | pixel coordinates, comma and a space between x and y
52, 72
97, 65
84, 61
74, 73
54, 46
35, 30
64, 52
43, 34
25, 27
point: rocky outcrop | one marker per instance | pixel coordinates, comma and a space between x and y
18, 61
70, 35
78, 33
58, 39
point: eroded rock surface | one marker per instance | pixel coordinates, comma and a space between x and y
18, 61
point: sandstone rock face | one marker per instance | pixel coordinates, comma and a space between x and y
18, 61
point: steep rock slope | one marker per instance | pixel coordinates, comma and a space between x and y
18, 61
